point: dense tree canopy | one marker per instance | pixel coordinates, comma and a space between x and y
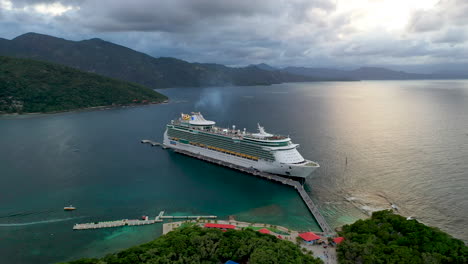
390, 238
194, 244
33, 86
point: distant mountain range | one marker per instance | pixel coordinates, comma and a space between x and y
363, 73
112, 60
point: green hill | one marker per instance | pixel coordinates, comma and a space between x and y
202, 245
28, 86
390, 238
115, 61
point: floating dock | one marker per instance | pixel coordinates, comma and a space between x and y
290, 182
137, 222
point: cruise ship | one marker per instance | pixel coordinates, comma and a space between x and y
260, 151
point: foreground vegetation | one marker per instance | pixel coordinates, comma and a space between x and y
390, 238
201, 245
28, 86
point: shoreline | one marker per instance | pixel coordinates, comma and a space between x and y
324, 249
169, 226
85, 109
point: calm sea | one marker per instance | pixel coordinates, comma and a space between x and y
378, 142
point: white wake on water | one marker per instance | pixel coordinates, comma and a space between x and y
40, 222
369, 203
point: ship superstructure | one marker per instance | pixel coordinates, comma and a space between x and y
258, 151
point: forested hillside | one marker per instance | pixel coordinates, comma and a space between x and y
390, 238
201, 245
28, 86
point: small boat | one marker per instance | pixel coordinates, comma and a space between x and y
69, 208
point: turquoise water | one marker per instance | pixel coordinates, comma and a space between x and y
405, 142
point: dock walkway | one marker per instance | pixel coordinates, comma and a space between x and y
137, 222
117, 223
189, 217
299, 188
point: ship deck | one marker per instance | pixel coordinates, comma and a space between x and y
220, 131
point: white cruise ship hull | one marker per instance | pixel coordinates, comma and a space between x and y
302, 170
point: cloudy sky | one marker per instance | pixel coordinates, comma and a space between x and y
417, 35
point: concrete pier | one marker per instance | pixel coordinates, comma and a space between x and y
117, 223
137, 222
189, 217
287, 181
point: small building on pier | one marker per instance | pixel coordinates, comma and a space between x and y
220, 226
310, 237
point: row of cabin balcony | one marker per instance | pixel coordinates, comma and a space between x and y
220, 150
218, 142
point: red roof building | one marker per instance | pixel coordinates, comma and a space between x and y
309, 236
264, 231
280, 237
222, 226
338, 240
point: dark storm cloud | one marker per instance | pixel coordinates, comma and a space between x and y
423, 21
445, 13
230, 32
166, 15
445, 30
451, 36
223, 31
281, 33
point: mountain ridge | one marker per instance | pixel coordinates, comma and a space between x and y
116, 61
370, 73
96, 55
